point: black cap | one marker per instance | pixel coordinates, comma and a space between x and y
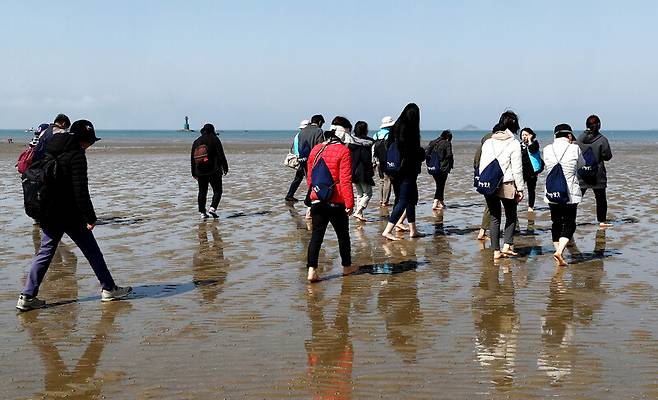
563, 130
83, 130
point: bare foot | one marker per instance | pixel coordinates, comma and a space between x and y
498, 255
313, 275
401, 228
389, 236
360, 217
530, 209
482, 235
350, 270
559, 259
415, 234
604, 225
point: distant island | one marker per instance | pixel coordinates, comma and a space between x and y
470, 127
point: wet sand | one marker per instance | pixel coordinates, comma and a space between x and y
222, 309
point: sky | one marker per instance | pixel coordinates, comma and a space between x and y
269, 64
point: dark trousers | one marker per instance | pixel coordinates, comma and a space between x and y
440, 181
215, 181
601, 204
84, 239
322, 215
297, 180
495, 211
563, 217
406, 197
532, 186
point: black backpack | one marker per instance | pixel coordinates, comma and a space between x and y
37, 182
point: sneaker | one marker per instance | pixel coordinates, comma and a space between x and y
116, 294
213, 213
26, 303
203, 215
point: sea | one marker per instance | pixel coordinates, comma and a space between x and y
285, 136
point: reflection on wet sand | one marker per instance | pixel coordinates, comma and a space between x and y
59, 380
330, 353
496, 321
209, 267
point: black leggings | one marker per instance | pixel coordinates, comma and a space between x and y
215, 181
495, 211
563, 217
322, 215
601, 204
532, 185
440, 181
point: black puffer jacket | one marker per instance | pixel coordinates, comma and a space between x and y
362, 169
216, 158
68, 203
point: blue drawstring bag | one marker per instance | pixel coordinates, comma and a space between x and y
557, 190
433, 163
476, 176
490, 178
304, 152
393, 159
537, 162
322, 183
588, 170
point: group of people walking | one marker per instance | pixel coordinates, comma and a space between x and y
340, 162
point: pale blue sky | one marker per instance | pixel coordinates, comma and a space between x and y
267, 64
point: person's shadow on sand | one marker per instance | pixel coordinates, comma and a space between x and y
209, 267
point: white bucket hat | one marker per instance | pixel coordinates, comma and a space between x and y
387, 121
303, 124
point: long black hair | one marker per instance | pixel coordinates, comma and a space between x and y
406, 130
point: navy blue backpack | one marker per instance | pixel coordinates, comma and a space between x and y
433, 163
322, 183
393, 159
304, 152
557, 190
591, 166
489, 180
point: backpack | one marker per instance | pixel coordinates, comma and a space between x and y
557, 190
393, 159
36, 182
322, 183
537, 162
591, 166
304, 152
433, 162
201, 155
491, 177
25, 160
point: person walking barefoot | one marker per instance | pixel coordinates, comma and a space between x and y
329, 180
405, 135
362, 169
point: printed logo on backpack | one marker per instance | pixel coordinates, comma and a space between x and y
201, 154
393, 159
304, 152
557, 190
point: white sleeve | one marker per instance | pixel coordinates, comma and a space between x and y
517, 165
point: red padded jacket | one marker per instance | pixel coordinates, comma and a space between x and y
338, 160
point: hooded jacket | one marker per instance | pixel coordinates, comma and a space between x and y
362, 169
309, 137
571, 159
216, 158
602, 153
444, 148
504, 147
68, 203
339, 162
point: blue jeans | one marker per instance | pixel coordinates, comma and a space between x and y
406, 192
84, 239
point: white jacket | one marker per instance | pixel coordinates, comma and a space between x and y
571, 160
504, 147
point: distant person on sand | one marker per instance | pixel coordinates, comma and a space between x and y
405, 134
69, 211
593, 175
504, 148
378, 154
61, 124
362, 168
301, 169
330, 194
309, 137
441, 148
208, 163
567, 154
532, 163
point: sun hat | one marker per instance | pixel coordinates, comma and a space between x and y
387, 121
304, 124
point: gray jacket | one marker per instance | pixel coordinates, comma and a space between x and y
602, 152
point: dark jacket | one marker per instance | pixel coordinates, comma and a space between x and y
68, 202
309, 137
444, 148
602, 152
528, 170
362, 168
216, 158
